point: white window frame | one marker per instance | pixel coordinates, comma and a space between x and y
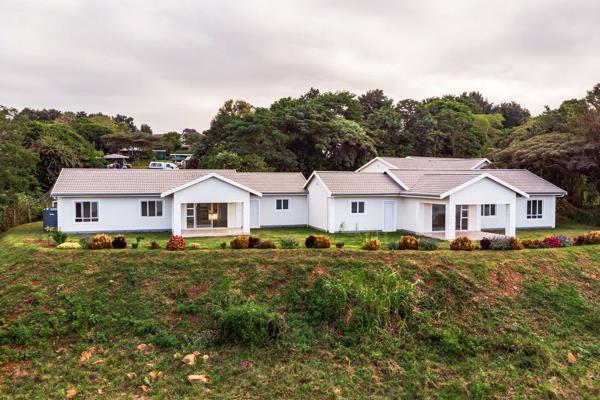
162, 208
284, 201
91, 218
491, 211
358, 207
536, 204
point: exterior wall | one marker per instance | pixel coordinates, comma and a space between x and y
376, 166
371, 220
318, 197
548, 219
115, 214
296, 215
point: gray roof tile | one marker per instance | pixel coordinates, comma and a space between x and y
367, 183
433, 163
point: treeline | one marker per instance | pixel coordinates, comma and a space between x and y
340, 131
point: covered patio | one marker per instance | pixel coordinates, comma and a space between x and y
211, 219
473, 235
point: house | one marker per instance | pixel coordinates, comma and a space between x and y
437, 197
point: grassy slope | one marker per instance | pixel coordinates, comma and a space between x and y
486, 324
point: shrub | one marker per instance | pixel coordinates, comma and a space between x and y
552, 241
533, 244
579, 240
592, 237
322, 242
253, 242
119, 242
515, 244
462, 243
59, 237
309, 242
289, 243
137, 242
427, 244
266, 244
372, 244
154, 245
69, 245
193, 246
176, 243
565, 241
84, 242
240, 242
339, 245
393, 245
485, 243
250, 323
408, 243
100, 242
223, 245
499, 243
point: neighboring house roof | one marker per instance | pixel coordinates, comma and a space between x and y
88, 181
366, 183
430, 182
115, 157
433, 163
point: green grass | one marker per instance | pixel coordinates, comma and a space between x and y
357, 324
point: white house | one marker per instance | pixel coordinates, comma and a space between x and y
431, 196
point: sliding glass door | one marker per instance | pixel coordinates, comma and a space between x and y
438, 217
206, 215
462, 217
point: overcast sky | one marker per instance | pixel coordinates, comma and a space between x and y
172, 64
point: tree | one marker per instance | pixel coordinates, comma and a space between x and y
514, 114
374, 100
476, 102
145, 128
170, 141
230, 160
121, 119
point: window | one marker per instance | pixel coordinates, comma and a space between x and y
282, 204
86, 211
358, 207
152, 208
534, 209
488, 210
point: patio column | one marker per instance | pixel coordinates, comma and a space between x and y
511, 220
474, 217
176, 217
450, 233
246, 217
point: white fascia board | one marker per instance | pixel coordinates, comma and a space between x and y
316, 175
376, 159
209, 176
396, 179
478, 165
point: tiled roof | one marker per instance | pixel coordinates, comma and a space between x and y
367, 183
88, 181
433, 163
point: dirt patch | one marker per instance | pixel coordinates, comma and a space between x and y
319, 270
507, 281
38, 242
196, 291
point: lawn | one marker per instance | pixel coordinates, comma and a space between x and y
351, 324
34, 231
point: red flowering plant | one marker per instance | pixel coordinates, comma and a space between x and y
176, 243
552, 241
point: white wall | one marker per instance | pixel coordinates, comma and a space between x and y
317, 204
376, 166
295, 215
115, 214
548, 219
371, 220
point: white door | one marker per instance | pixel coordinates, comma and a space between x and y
389, 216
254, 214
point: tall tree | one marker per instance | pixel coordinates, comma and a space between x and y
374, 100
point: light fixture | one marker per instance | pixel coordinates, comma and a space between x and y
212, 216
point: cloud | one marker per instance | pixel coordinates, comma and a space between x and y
172, 64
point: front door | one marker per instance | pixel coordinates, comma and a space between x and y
462, 217
389, 216
438, 217
254, 214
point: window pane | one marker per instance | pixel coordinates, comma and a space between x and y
94, 211
528, 207
144, 208
361, 207
78, 210
285, 204
493, 209
278, 204
86, 210
159, 208
354, 205
152, 208
540, 208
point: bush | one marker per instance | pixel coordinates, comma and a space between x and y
154, 245
100, 242
193, 246
408, 243
499, 243
533, 244
592, 237
309, 242
240, 242
176, 243
393, 245
462, 243
289, 243
515, 244
551, 242
266, 244
372, 244
69, 245
137, 242
119, 242
250, 323
322, 242
339, 245
565, 241
485, 243
59, 237
223, 245
253, 242
85, 242
427, 244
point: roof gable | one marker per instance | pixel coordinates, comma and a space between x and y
205, 178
